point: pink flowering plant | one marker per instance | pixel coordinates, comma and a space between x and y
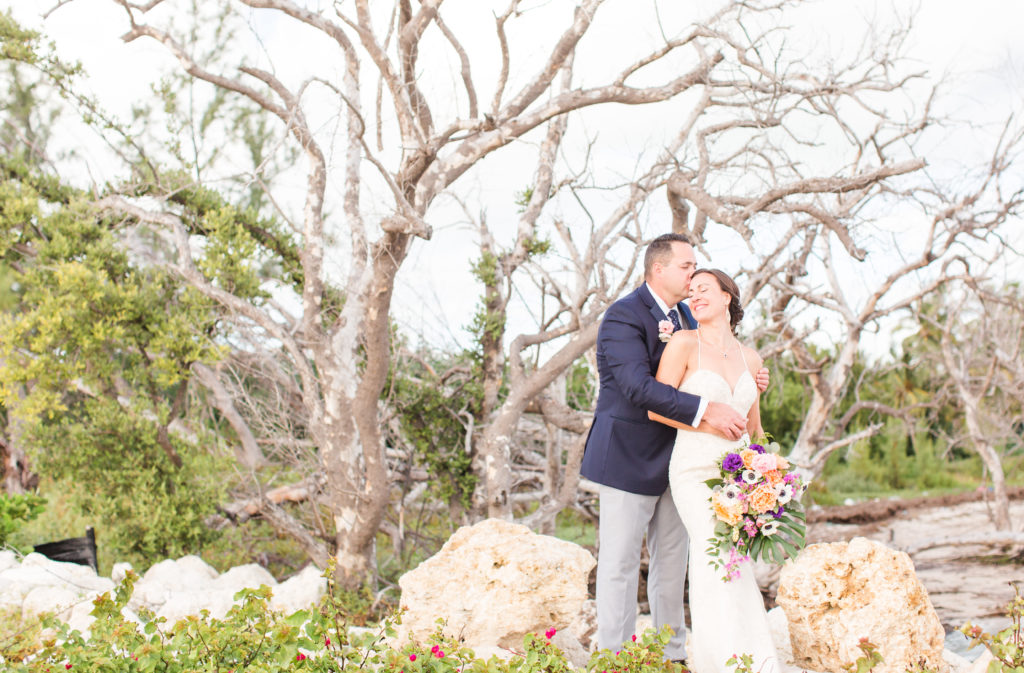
444, 654
645, 654
756, 504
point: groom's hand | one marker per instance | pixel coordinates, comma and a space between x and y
724, 418
762, 379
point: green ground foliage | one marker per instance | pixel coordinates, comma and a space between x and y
251, 637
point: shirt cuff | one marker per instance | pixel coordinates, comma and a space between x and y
700, 411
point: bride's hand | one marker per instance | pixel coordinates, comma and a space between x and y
762, 379
724, 419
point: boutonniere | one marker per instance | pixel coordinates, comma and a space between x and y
665, 329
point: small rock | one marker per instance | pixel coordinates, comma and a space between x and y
301, 591
250, 576
574, 652
171, 577
584, 626
8, 559
56, 599
980, 664
188, 571
120, 571
956, 663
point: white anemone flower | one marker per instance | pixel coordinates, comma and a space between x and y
784, 493
731, 492
770, 528
750, 476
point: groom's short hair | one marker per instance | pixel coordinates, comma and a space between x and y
660, 250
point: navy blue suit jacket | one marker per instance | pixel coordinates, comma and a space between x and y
625, 449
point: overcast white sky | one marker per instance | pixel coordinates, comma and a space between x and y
979, 43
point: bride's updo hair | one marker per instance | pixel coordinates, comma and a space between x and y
727, 284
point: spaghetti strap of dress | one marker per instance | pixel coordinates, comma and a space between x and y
744, 358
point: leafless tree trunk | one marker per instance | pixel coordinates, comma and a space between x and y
977, 368
17, 474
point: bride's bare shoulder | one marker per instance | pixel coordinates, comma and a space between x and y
680, 345
684, 338
752, 357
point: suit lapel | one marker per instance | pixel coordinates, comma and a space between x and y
650, 303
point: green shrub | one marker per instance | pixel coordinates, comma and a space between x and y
16, 510
112, 472
253, 638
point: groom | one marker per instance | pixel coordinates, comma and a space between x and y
628, 455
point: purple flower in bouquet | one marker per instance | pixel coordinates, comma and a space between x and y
732, 462
757, 447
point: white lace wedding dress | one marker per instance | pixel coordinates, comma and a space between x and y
726, 618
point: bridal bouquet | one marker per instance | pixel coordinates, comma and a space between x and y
756, 503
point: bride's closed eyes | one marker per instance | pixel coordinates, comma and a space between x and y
700, 288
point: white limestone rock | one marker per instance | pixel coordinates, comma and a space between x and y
493, 583
8, 559
182, 604
170, 577
300, 591
57, 599
189, 572
250, 576
120, 571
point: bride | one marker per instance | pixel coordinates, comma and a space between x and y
727, 618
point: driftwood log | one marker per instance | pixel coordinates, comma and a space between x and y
879, 510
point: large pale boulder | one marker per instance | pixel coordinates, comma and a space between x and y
835, 594
493, 583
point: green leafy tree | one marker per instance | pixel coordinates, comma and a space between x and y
95, 363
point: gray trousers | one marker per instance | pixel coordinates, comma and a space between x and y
624, 518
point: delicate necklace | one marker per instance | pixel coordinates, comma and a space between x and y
725, 352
